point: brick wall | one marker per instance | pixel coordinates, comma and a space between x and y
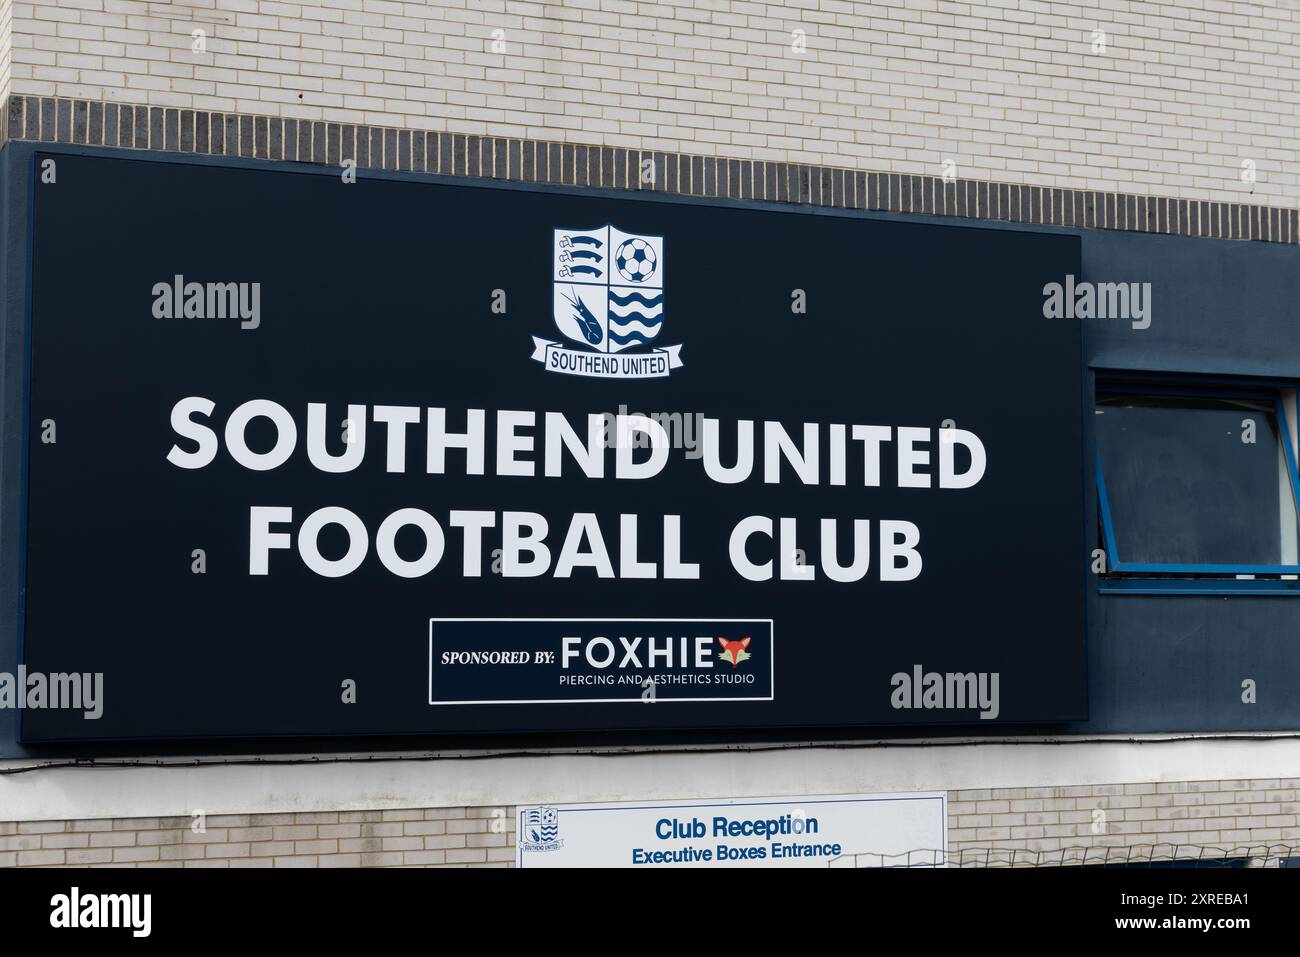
430, 837
1046, 824
1183, 93
1221, 815
170, 129
6, 47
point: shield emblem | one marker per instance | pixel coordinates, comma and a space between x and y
609, 287
542, 824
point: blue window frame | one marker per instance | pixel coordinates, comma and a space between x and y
1197, 486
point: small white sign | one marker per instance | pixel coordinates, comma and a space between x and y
763, 832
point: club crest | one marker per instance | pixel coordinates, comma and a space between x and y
540, 829
608, 292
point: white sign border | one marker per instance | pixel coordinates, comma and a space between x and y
940, 796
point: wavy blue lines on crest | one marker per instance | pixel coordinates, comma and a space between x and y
634, 317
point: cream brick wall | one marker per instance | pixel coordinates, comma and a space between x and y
1212, 814
1009, 90
6, 37
431, 837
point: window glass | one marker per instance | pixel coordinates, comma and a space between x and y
1196, 480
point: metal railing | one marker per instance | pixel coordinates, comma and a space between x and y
1132, 855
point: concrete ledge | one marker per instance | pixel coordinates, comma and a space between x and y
306, 783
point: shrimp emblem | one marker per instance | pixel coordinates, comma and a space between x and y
589, 324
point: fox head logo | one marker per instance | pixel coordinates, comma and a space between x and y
734, 651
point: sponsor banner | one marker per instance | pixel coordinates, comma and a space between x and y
830, 831
536, 661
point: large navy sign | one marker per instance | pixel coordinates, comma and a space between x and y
404, 456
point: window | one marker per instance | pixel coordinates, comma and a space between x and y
1197, 486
